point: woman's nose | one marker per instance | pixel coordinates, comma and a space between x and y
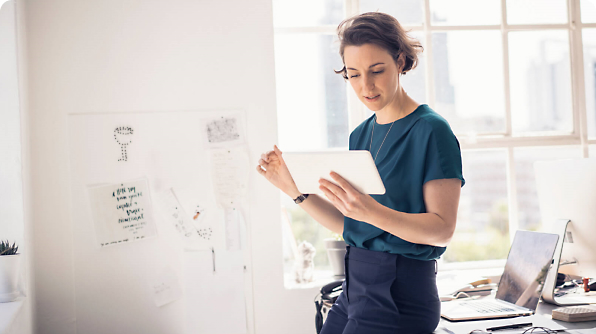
369, 83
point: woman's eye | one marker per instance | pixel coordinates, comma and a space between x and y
379, 72
354, 76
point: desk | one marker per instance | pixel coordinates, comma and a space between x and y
541, 318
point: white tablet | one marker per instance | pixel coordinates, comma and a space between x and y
357, 167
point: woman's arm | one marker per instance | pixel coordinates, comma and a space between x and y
323, 212
435, 227
274, 169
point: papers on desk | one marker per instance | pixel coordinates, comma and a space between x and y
465, 327
454, 285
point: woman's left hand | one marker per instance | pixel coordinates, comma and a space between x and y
349, 201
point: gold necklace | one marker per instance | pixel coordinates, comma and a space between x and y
383, 142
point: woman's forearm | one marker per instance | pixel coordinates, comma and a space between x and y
418, 228
323, 212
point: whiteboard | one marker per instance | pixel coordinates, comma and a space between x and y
117, 286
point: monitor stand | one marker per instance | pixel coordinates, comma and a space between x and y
548, 291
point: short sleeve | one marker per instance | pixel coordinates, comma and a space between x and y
443, 155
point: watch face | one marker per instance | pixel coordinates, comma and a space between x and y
300, 198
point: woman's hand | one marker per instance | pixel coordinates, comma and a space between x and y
349, 201
274, 169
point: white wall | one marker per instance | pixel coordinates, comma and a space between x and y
12, 218
138, 55
11, 188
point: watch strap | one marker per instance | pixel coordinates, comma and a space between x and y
300, 198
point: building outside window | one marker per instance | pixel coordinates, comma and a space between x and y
516, 81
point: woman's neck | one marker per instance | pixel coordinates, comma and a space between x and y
401, 106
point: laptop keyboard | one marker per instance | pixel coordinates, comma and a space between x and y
487, 307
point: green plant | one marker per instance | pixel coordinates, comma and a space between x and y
338, 236
7, 249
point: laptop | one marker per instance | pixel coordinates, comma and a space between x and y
521, 284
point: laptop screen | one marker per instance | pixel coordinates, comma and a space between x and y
528, 263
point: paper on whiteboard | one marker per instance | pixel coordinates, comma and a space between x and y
122, 212
224, 131
201, 216
176, 217
234, 222
165, 288
216, 303
195, 230
229, 172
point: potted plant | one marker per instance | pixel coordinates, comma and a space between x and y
336, 251
9, 269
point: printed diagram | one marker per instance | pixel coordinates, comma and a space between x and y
222, 130
123, 135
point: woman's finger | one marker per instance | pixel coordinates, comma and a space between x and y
334, 188
345, 185
277, 150
260, 170
263, 163
265, 156
336, 201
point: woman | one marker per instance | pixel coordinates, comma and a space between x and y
394, 239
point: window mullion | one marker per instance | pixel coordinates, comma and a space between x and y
512, 194
506, 88
430, 79
576, 57
352, 7
356, 112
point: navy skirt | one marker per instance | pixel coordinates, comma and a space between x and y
385, 293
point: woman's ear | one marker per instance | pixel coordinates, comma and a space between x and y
401, 63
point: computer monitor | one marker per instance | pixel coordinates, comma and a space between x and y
567, 191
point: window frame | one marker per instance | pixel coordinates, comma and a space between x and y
508, 141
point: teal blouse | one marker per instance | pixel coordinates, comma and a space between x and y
420, 147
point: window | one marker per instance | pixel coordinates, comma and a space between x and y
516, 81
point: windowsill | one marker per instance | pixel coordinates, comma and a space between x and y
321, 277
8, 313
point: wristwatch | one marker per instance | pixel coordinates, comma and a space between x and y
300, 198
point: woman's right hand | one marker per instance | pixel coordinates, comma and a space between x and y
274, 169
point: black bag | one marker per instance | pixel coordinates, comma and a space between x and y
328, 295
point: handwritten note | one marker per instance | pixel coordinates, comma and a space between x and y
165, 288
229, 172
122, 212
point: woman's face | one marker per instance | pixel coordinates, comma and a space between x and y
373, 74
